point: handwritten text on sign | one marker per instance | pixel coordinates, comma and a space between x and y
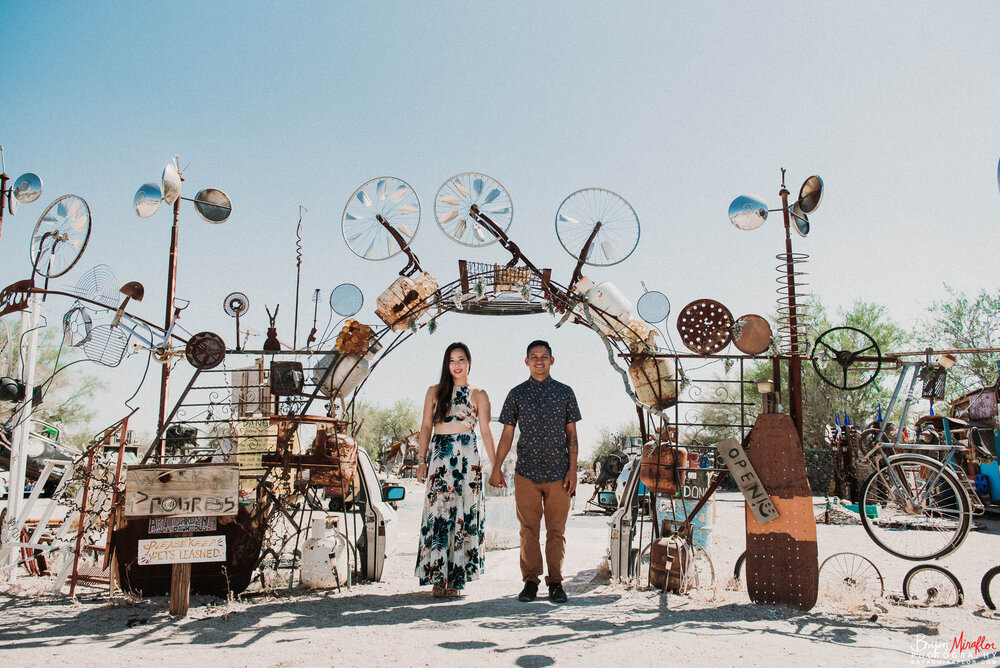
182, 490
736, 460
186, 550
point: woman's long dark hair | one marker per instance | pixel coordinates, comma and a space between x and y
447, 383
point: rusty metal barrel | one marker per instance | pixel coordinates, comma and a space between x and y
658, 467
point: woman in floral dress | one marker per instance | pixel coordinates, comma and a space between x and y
452, 529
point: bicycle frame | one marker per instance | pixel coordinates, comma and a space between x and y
156, 343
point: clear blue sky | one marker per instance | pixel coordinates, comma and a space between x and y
679, 107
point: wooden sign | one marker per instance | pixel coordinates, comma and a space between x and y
746, 478
183, 550
181, 524
182, 490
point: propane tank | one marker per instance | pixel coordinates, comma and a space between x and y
609, 299
319, 555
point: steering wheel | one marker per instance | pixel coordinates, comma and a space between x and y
852, 352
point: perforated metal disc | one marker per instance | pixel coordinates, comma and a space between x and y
705, 326
346, 299
578, 216
754, 334
205, 350
236, 303
396, 202
455, 199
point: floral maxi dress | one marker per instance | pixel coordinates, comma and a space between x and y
452, 530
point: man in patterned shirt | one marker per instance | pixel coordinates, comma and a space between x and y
546, 412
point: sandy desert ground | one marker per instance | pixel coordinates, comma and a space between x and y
394, 622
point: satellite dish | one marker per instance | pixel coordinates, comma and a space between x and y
346, 299
747, 212
147, 200
653, 307
800, 219
27, 188
213, 205
810, 194
171, 183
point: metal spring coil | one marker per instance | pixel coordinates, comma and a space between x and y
789, 269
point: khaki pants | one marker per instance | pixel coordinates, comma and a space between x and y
534, 501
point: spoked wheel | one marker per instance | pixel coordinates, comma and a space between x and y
375, 207
990, 587
60, 236
850, 576
453, 208
923, 511
932, 585
615, 222
703, 573
836, 356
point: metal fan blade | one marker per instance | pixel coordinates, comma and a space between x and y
354, 238
354, 216
405, 229
74, 208
448, 217
462, 190
477, 185
461, 227
493, 195
380, 189
478, 233
389, 241
566, 219
79, 224
450, 200
50, 219
399, 193
364, 198
609, 250
371, 247
408, 209
497, 209
75, 243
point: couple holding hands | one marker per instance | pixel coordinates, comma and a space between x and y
452, 531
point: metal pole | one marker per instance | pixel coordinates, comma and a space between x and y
4, 196
19, 439
171, 286
795, 361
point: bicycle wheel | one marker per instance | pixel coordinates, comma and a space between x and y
990, 587
923, 516
703, 573
849, 576
738, 568
932, 585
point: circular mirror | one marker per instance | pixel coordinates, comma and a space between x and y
747, 212
147, 200
171, 182
27, 188
810, 194
213, 205
346, 299
800, 219
653, 307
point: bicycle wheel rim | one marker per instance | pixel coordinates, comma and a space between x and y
933, 586
930, 531
850, 577
990, 588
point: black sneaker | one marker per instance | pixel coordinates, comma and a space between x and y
556, 593
529, 592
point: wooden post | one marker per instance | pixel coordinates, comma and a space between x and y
180, 587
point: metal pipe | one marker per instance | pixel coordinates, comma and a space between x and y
795, 361
171, 286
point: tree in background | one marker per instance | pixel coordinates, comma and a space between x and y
960, 322
384, 425
609, 441
67, 395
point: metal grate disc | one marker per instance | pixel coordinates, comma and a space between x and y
705, 326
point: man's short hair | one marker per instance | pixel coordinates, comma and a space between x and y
538, 343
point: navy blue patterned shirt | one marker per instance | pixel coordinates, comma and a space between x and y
541, 410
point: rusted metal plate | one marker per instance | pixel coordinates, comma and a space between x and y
782, 565
182, 490
751, 334
705, 326
14, 297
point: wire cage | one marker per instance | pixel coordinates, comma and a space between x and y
495, 289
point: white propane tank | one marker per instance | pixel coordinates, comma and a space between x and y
345, 377
318, 564
607, 297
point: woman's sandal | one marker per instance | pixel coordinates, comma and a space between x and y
439, 590
453, 593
